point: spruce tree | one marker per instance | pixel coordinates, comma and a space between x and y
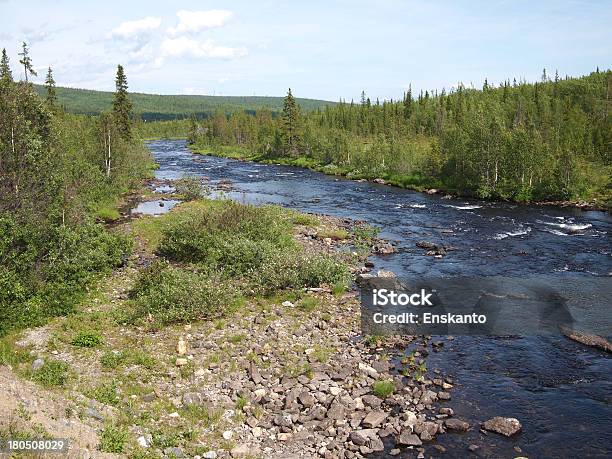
26, 61
51, 98
291, 119
5, 69
122, 107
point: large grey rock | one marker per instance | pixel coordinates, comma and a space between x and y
374, 418
409, 439
456, 425
504, 426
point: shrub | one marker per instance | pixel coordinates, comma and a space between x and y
308, 304
383, 388
87, 338
173, 295
191, 188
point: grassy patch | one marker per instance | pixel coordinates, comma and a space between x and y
309, 303
383, 388
105, 393
53, 373
113, 439
337, 234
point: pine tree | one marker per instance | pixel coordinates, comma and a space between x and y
26, 61
50, 87
291, 119
122, 107
5, 69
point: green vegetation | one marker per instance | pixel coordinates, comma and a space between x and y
105, 393
543, 141
58, 173
152, 107
113, 439
53, 373
214, 252
87, 338
383, 388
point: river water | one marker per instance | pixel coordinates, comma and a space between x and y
559, 390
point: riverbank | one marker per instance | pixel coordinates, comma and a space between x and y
415, 183
275, 375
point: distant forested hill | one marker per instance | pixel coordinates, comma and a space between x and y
166, 107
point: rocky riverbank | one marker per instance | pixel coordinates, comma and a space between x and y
288, 375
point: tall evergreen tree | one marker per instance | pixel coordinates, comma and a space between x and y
26, 61
291, 119
51, 98
5, 69
122, 107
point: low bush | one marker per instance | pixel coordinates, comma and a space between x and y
87, 338
172, 295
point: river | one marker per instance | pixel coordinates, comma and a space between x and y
559, 390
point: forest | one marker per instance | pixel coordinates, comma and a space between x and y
61, 175
156, 107
545, 141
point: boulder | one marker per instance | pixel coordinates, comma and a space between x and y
503, 426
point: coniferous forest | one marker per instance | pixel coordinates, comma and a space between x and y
548, 140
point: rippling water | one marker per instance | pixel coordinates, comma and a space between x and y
560, 391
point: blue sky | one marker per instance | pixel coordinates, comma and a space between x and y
322, 49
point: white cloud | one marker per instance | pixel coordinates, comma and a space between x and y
194, 21
183, 46
132, 29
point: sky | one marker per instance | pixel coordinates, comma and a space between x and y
321, 49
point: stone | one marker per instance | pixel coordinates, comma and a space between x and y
306, 399
473, 447
181, 362
335, 390
209, 455
192, 398
284, 436
252, 421
456, 425
287, 304
336, 411
181, 347
173, 451
374, 418
38, 363
259, 393
503, 426
395, 452
384, 273
93, 413
371, 400
143, 442
409, 439
149, 397
257, 431
283, 420
242, 450
228, 434
254, 373
358, 437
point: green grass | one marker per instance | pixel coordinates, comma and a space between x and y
53, 373
105, 393
308, 304
383, 388
113, 439
337, 234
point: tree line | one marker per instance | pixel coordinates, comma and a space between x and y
521, 141
59, 173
